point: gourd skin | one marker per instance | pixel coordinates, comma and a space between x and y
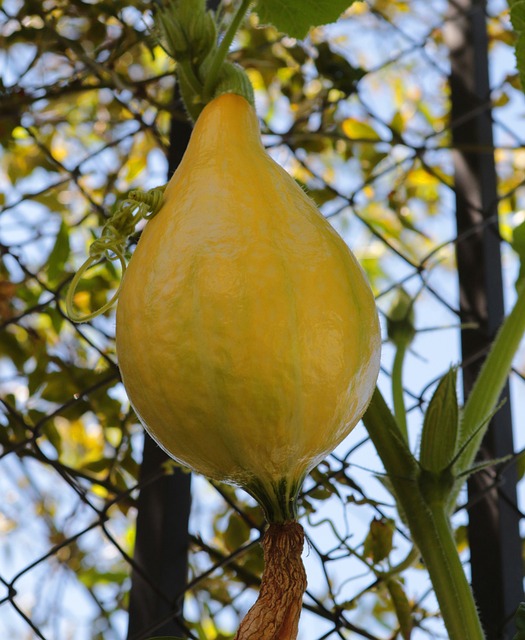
247, 334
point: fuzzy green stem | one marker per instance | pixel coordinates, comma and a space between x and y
485, 393
433, 535
489, 384
222, 50
427, 519
186, 69
393, 450
397, 389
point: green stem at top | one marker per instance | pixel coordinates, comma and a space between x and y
222, 50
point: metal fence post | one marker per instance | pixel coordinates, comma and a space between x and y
162, 538
161, 548
495, 545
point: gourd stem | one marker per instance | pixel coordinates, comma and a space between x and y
278, 501
222, 50
397, 389
275, 614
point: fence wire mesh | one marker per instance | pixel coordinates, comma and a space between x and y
360, 115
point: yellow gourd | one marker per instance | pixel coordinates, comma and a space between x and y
247, 334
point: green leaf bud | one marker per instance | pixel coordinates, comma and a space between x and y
439, 439
400, 319
203, 36
186, 30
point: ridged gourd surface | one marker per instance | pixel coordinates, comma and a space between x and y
247, 334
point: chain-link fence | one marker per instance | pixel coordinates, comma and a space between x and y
363, 115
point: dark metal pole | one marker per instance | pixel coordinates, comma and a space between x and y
161, 548
495, 544
162, 538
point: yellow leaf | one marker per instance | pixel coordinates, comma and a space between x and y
397, 123
420, 177
59, 150
358, 130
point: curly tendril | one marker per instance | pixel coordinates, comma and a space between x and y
139, 205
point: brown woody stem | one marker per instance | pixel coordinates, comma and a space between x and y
275, 614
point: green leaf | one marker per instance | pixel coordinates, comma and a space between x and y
520, 58
338, 70
296, 17
11, 348
59, 255
517, 17
440, 426
92, 577
520, 622
237, 532
520, 465
402, 607
378, 543
518, 244
486, 464
320, 493
517, 14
